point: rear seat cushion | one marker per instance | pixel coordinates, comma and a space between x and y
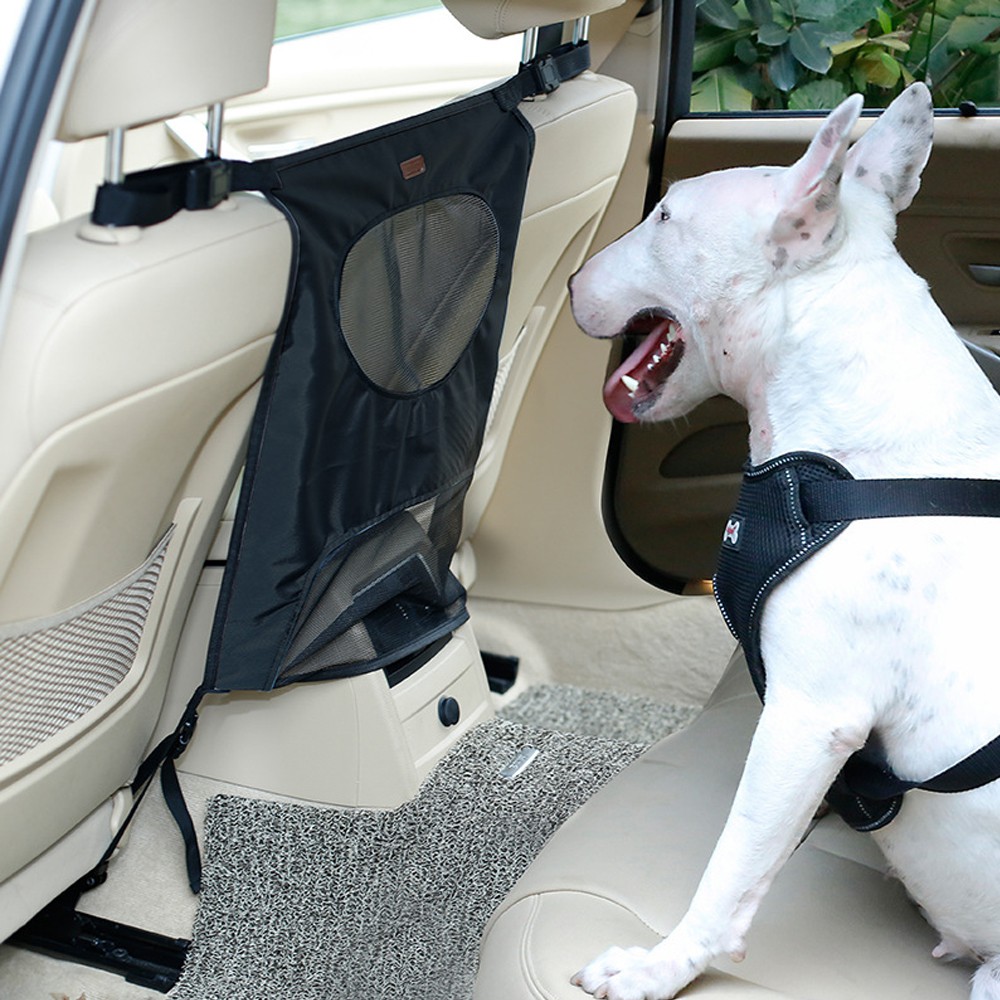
623, 869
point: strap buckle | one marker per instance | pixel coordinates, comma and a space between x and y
152, 196
546, 74
208, 184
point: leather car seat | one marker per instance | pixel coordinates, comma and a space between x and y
582, 135
128, 374
623, 869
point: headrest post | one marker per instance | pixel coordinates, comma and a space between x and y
114, 156
214, 127
529, 47
581, 28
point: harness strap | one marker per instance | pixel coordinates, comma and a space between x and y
851, 499
868, 797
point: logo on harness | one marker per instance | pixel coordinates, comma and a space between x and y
731, 536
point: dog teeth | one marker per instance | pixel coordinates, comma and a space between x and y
630, 383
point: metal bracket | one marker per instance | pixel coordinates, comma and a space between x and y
142, 957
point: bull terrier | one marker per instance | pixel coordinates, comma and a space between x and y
782, 288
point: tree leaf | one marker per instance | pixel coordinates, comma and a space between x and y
892, 42
720, 13
719, 90
851, 15
884, 20
987, 8
772, 34
746, 52
980, 85
760, 11
841, 47
817, 10
750, 78
712, 48
965, 31
782, 69
806, 46
929, 53
818, 95
876, 68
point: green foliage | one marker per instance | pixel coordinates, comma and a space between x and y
810, 54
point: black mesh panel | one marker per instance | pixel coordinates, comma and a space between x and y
414, 289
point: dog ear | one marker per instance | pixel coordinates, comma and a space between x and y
810, 190
891, 154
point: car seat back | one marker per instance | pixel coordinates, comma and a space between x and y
582, 135
128, 374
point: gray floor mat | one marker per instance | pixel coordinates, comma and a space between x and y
301, 902
614, 716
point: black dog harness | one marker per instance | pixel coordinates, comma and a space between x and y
789, 508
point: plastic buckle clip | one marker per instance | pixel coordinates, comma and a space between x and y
546, 74
208, 183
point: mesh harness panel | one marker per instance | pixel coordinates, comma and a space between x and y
788, 509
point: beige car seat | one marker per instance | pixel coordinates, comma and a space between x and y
128, 374
623, 869
582, 135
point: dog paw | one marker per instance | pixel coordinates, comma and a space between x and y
628, 974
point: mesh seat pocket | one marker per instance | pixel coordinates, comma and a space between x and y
55, 670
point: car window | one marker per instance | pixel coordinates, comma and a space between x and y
297, 17
799, 55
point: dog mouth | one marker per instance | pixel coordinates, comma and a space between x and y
636, 383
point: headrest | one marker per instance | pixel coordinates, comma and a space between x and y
147, 60
498, 18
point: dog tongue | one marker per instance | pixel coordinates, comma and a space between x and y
641, 375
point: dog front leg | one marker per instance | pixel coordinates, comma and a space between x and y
793, 759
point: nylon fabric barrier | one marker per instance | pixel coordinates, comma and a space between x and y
375, 398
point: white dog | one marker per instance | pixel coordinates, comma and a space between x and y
781, 288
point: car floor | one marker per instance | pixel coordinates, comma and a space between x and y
615, 676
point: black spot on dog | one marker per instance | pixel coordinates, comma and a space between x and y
805, 236
861, 171
825, 201
888, 186
799, 223
780, 258
826, 138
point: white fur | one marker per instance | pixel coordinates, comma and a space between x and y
833, 345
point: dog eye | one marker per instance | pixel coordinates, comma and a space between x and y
664, 214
